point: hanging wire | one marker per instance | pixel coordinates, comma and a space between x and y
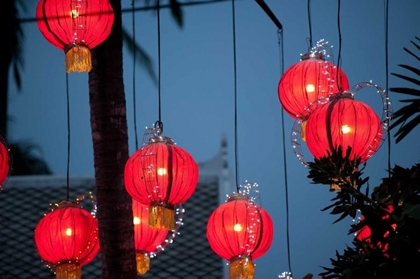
235, 95
159, 122
68, 138
310, 23
133, 10
286, 186
339, 82
386, 76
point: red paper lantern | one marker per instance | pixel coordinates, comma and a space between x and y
146, 239
75, 26
67, 238
308, 80
343, 122
240, 231
4, 162
161, 175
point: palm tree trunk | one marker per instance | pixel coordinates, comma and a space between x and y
110, 145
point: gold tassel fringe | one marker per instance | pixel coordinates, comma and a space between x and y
303, 130
78, 59
161, 217
241, 268
68, 271
142, 263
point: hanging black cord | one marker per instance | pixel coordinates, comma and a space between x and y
386, 78
134, 74
286, 187
310, 24
339, 82
159, 74
235, 95
68, 137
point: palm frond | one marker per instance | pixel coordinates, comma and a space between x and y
142, 57
410, 79
412, 108
405, 90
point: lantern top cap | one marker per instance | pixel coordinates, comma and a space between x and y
313, 55
238, 197
161, 139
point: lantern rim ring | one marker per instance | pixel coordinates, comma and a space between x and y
313, 55
238, 197
240, 257
161, 139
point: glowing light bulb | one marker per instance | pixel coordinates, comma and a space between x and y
161, 171
74, 13
136, 220
237, 227
310, 88
345, 129
69, 232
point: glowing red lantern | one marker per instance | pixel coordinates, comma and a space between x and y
308, 80
4, 162
240, 231
75, 26
67, 238
146, 239
161, 175
344, 122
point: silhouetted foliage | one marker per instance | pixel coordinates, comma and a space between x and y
27, 159
393, 249
411, 110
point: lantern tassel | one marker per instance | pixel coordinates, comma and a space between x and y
142, 263
161, 217
303, 130
68, 271
241, 268
78, 59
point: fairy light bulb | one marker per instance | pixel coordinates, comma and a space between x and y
74, 13
69, 232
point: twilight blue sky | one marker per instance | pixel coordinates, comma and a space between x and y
197, 102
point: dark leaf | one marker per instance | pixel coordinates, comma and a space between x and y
405, 90
142, 57
411, 53
176, 12
412, 69
410, 79
407, 128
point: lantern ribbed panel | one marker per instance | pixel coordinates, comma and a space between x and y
90, 28
4, 163
67, 234
346, 122
229, 243
145, 238
294, 93
161, 172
